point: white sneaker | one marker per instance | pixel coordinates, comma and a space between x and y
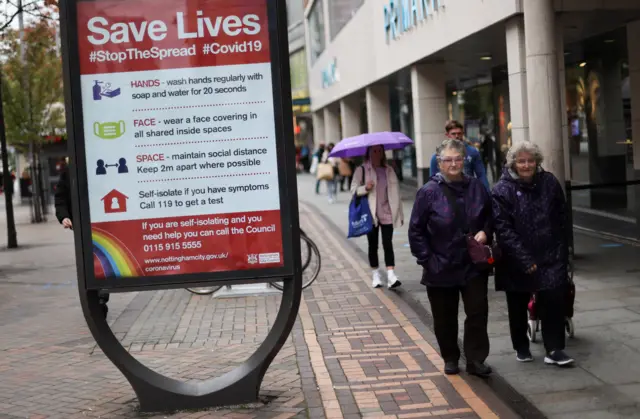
392, 280
377, 282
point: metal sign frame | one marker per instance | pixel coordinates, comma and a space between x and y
242, 385
285, 155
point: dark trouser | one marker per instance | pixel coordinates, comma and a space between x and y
550, 308
387, 245
444, 308
318, 186
348, 180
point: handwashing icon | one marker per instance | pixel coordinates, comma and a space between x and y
106, 91
109, 130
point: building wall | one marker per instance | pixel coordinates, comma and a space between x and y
363, 52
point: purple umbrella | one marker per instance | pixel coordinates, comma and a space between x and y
357, 146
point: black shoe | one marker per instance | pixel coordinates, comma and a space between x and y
524, 356
451, 368
478, 368
558, 358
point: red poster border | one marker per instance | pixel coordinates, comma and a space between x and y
285, 154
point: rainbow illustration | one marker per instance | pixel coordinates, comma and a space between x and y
114, 257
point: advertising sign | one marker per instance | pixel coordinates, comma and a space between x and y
179, 141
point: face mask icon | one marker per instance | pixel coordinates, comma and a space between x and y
108, 130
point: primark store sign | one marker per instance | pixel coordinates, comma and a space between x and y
401, 16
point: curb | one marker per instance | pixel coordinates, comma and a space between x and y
497, 384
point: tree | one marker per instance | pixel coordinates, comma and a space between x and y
33, 9
32, 91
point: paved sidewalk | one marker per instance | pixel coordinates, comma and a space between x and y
50, 366
375, 349
606, 382
354, 352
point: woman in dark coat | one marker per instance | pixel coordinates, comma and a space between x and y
530, 220
437, 236
65, 217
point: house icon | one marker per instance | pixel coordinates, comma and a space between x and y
115, 201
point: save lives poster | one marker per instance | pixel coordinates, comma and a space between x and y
179, 136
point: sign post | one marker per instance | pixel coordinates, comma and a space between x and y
182, 165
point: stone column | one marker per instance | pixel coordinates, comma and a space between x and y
562, 82
633, 45
545, 125
350, 116
428, 88
318, 127
332, 124
378, 110
517, 68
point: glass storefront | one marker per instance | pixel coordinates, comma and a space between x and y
317, 42
599, 117
299, 81
472, 103
295, 12
401, 108
340, 13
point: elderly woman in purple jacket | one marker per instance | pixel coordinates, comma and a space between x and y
530, 220
437, 236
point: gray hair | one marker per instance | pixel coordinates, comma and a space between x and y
523, 147
451, 144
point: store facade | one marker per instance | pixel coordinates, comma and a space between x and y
560, 73
302, 121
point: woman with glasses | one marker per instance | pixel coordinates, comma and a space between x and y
530, 213
449, 208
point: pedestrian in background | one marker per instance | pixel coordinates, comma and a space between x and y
473, 165
317, 156
332, 183
450, 208
531, 216
345, 168
65, 216
378, 181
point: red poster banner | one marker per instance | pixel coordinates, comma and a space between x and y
135, 35
183, 245
179, 136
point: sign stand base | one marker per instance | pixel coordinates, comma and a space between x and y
246, 290
158, 393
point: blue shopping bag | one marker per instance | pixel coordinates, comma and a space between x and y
360, 219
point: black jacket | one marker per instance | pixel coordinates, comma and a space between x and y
531, 226
63, 196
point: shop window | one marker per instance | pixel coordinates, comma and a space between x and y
598, 109
299, 77
340, 13
317, 42
295, 12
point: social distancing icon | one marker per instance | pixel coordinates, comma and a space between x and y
101, 166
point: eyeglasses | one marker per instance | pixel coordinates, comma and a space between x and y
449, 160
522, 162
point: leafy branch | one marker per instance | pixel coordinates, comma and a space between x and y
33, 87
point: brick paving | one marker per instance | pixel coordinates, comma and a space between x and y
606, 380
371, 350
354, 352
